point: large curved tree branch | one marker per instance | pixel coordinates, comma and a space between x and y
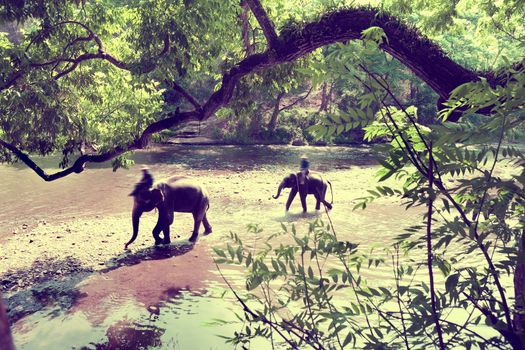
416, 52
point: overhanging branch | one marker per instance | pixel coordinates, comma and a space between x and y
416, 52
265, 23
72, 63
299, 99
185, 94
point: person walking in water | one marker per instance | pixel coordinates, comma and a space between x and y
304, 168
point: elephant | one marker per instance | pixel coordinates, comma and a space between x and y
177, 194
313, 184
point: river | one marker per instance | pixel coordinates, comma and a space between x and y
70, 285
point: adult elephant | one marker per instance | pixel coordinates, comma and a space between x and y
312, 184
177, 194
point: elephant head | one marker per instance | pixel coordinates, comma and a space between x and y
145, 199
288, 181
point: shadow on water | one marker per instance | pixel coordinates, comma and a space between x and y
151, 253
55, 282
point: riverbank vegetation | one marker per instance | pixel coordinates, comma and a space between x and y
441, 89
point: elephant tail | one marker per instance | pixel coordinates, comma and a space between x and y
331, 192
204, 199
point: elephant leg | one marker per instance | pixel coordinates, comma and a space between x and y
303, 201
167, 239
166, 229
323, 196
196, 226
207, 226
163, 223
156, 232
291, 196
318, 201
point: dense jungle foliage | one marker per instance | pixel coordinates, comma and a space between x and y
439, 84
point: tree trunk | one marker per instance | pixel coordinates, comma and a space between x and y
322, 107
326, 96
413, 92
276, 110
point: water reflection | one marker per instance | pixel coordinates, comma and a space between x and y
61, 284
130, 336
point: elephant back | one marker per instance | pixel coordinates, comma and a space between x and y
183, 194
314, 175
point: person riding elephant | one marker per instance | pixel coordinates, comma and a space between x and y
177, 194
313, 184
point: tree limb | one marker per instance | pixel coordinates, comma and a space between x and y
265, 23
299, 99
73, 63
245, 23
416, 52
185, 94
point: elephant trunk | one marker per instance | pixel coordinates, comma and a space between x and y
135, 218
281, 185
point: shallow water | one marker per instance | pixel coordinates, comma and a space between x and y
100, 297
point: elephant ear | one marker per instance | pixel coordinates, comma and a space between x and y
288, 180
294, 179
157, 196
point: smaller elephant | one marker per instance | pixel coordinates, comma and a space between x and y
177, 194
312, 184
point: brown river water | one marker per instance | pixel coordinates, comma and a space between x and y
69, 284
